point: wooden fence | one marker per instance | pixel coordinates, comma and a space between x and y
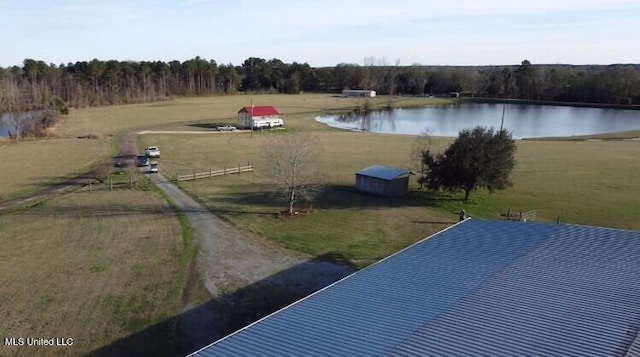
213, 173
520, 215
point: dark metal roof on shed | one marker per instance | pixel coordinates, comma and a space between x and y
479, 288
383, 172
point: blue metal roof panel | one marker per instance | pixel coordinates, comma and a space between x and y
479, 288
383, 172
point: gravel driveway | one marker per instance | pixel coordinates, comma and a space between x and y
234, 265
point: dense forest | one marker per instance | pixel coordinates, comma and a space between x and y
37, 85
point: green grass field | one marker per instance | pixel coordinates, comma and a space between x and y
115, 120
584, 182
93, 266
100, 266
32, 165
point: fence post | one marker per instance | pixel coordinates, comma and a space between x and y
239, 166
110, 182
90, 186
520, 216
177, 176
194, 175
508, 214
131, 181
210, 173
224, 172
558, 219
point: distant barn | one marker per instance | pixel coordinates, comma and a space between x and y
262, 116
359, 93
383, 181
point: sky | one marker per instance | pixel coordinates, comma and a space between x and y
323, 33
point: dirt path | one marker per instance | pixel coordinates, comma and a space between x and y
192, 132
56, 189
126, 154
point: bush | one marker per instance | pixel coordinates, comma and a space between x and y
35, 124
56, 103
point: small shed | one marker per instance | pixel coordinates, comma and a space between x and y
259, 116
383, 180
359, 93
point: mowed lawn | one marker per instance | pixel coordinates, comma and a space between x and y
585, 182
181, 112
582, 182
92, 266
360, 228
32, 165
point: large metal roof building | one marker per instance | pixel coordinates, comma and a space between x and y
478, 288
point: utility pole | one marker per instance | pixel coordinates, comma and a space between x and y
251, 116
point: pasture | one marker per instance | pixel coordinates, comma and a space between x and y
583, 182
115, 120
32, 165
92, 266
101, 266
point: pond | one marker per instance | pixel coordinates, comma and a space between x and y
5, 125
33, 121
524, 121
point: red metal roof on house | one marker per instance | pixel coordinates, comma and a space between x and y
261, 110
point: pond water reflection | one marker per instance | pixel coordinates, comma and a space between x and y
524, 121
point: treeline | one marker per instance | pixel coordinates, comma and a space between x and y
36, 85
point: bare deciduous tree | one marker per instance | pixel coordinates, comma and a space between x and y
420, 146
291, 159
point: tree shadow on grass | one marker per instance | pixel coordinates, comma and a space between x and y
211, 126
331, 197
222, 315
60, 209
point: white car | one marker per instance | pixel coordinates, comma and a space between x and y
227, 128
152, 151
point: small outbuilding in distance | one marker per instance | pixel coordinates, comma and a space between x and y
258, 117
383, 180
359, 93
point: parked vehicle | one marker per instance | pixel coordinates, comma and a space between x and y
142, 160
153, 167
226, 128
152, 151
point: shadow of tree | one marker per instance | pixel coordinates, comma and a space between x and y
331, 197
213, 126
199, 326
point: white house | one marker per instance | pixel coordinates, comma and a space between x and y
264, 116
